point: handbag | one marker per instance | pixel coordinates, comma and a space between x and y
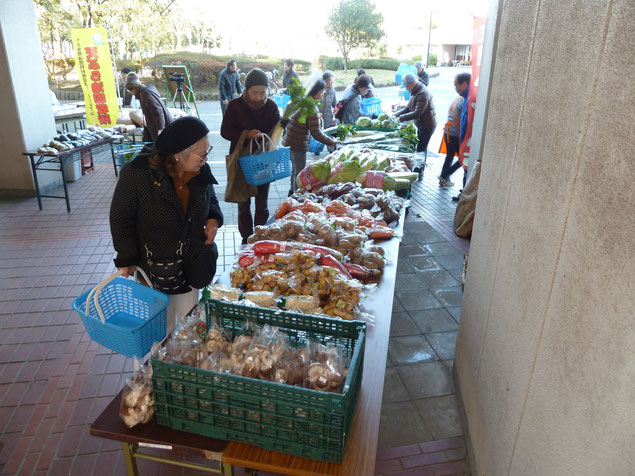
200, 263
238, 190
167, 274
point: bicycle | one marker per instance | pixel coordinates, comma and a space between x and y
275, 86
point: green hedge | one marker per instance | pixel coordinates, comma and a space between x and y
432, 59
332, 63
203, 69
390, 64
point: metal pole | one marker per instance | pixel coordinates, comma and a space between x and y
114, 65
429, 36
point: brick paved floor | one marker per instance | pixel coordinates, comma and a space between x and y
54, 381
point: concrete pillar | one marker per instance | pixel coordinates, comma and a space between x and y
545, 354
27, 119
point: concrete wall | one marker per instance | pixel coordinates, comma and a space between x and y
545, 353
27, 118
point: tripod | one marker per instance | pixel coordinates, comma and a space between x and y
184, 104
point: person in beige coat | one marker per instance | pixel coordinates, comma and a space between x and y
297, 136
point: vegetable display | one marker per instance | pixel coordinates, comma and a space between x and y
71, 140
352, 165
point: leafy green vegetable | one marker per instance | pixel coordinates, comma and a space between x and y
300, 101
409, 134
345, 171
383, 116
363, 122
344, 130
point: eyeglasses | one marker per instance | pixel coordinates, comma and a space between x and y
204, 156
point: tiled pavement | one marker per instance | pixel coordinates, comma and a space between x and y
54, 381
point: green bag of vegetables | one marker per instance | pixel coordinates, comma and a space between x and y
345, 171
382, 181
383, 164
315, 174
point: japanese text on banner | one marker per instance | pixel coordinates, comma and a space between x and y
96, 75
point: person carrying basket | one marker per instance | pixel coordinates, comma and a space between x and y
164, 215
249, 116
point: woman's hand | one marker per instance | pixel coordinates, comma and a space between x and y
211, 227
127, 271
254, 134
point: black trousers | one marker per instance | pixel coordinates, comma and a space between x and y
245, 222
449, 168
424, 136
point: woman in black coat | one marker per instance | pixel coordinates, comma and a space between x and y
164, 215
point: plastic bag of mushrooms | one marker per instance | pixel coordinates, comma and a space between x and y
137, 400
262, 353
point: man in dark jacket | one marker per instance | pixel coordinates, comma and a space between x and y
419, 109
229, 84
255, 113
421, 73
156, 116
123, 92
289, 73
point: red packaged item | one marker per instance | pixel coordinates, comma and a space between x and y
267, 247
381, 233
285, 207
328, 260
249, 257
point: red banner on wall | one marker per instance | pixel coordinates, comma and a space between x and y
477, 56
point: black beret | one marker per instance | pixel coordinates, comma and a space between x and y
180, 134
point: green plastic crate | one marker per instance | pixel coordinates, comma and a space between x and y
277, 417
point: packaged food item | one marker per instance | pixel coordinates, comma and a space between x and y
346, 171
306, 304
325, 368
137, 400
314, 175
222, 292
290, 368
267, 347
261, 298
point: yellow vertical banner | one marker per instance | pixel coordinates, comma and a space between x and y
96, 75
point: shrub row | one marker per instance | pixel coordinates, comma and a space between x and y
203, 69
336, 63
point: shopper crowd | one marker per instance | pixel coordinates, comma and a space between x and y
164, 210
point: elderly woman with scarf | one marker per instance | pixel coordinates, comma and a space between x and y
255, 113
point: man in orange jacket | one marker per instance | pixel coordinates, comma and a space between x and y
452, 130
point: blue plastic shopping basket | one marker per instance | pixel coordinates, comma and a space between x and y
282, 100
315, 146
134, 315
266, 167
371, 106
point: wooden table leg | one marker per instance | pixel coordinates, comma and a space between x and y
226, 469
131, 464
